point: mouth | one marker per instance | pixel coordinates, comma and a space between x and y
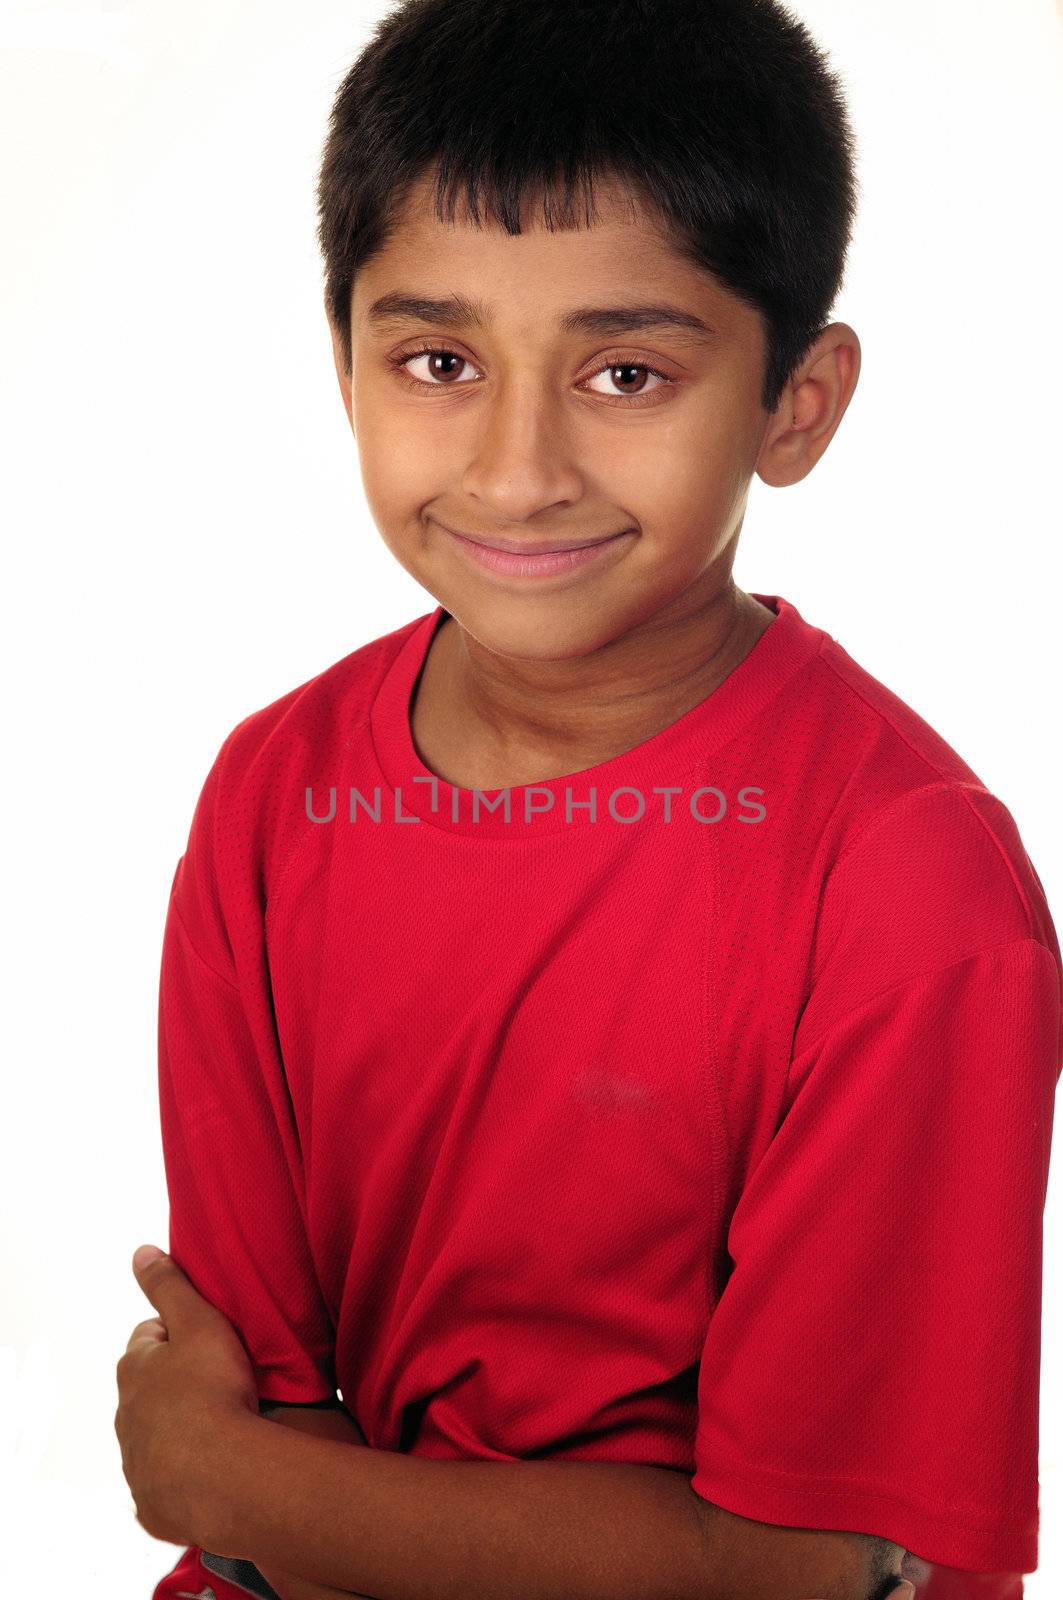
533, 557
531, 547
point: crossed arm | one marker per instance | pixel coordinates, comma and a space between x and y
322, 1514
525, 1530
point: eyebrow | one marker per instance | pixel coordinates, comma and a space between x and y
462, 312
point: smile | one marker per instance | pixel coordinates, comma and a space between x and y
533, 558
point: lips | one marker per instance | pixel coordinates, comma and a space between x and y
530, 547
537, 560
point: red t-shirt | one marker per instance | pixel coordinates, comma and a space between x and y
708, 1128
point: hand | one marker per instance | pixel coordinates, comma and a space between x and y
184, 1375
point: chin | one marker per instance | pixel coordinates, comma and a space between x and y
537, 632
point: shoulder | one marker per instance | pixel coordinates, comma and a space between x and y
913, 862
919, 820
249, 814
903, 815
310, 724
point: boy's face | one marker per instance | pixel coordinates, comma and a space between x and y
526, 429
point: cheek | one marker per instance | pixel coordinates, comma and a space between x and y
679, 481
403, 463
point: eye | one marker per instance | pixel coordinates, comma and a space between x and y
441, 371
621, 368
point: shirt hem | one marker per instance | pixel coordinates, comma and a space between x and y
992, 1546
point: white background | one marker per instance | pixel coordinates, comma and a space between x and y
187, 540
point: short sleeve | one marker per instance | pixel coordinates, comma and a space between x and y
230, 1146
873, 1361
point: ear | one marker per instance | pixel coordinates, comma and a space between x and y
342, 376
811, 408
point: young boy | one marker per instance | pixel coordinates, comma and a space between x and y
603, 1030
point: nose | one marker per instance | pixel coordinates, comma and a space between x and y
521, 457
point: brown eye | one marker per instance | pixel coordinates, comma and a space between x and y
442, 367
627, 375
629, 378
444, 363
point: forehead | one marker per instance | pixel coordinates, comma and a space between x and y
619, 251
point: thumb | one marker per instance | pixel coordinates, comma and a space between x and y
158, 1275
144, 1254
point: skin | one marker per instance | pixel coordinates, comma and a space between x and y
535, 432
183, 1379
331, 1424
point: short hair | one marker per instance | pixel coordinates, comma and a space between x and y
721, 115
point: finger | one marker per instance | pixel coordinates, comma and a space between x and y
151, 1331
168, 1288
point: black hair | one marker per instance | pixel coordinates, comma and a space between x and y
721, 116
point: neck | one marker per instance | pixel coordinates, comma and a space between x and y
494, 715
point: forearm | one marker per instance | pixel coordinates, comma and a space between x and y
383, 1523
336, 1423
322, 1421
